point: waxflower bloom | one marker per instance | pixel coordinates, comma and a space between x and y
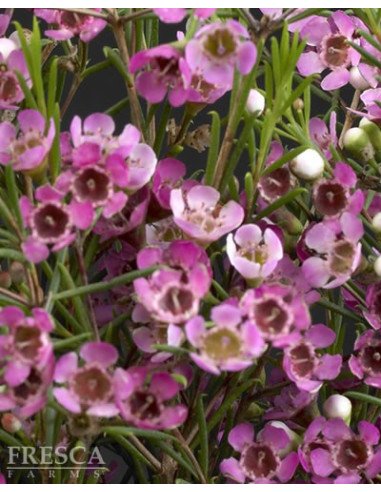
372, 313
323, 136
87, 387
231, 344
263, 460
305, 366
144, 399
365, 363
329, 48
333, 453
69, 24
27, 149
337, 195
254, 253
217, 49
11, 60
173, 16
168, 175
338, 251
201, 217
173, 294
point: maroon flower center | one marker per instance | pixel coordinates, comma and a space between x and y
92, 185
177, 300
302, 360
27, 341
168, 67
92, 384
371, 359
73, 21
342, 257
220, 44
50, 221
259, 461
221, 344
352, 454
330, 198
8, 86
29, 387
271, 318
144, 405
335, 51
276, 184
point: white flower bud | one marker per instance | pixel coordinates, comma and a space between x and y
308, 165
295, 439
357, 80
255, 103
357, 142
338, 406
376, 222
377, 266
374, 133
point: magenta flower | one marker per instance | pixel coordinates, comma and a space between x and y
291, 404
365, 363
370, 99
173, 16
201, 217
337, 195
217, 49
168, 175
329, 49
254, 253
333, 453
27, 149
69, 24
173, 295
338, 251
11, 60
373, 303
278, 311
51, 223
26, 355
144, 399
322, 136
88, 387
264, 460
305, 366
231, 344
5, 19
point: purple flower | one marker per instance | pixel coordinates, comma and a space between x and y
217, 49
365, 363
322, 136
68, 24
143, 399
11, 60
201, 217
173, 294
337, 195
278, 311
26, 355
88, 387
328, 48
338, 251
26, 149
305, 366
231, 344
168, 175
252, 252
264, 460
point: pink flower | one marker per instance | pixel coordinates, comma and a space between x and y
173, 294
68, 24
201, 217
89, 387
26, 149
173, 16
51, 223
263, 460
291, 404
338, 251
305, 366
254, 253
217, 49
328, 48
365, 363
169, 174
231, 344
11, 60
373, 303
337, 195
143, 399
4, 21
322, 136
370, 99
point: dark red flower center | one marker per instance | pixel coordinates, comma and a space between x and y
29, 387
177, 300
144, 405
27, 341
50, 221
371, 359
92, 384
92, 185
342, 257
330, 198
335, 51
352, 454
302, 360
271, 318
276, 184
259, 461
8, 86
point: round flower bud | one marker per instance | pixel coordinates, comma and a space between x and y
357, 142
10, 423
377, 266
338, 406
298, 104
17, 272
357, 80
5, 280
376, 222
255, 103
374, 133
309, 165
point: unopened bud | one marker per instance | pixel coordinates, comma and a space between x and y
295, 439
338, 406
309, 165
376, 222
298, 104
357, 80
5, 280
255, 103
357, 142
10, 423
374, 133
17, 272
377, 266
